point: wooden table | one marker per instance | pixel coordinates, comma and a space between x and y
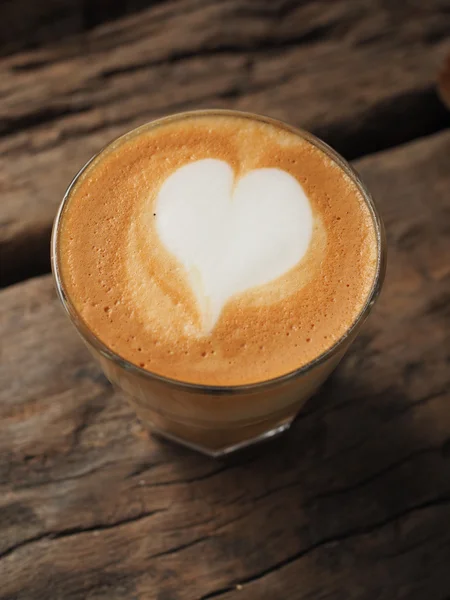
354, 502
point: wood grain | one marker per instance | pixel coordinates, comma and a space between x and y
353, 503
26, 25
360, 74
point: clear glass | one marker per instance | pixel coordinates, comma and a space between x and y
219, 420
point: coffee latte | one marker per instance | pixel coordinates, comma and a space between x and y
217, 249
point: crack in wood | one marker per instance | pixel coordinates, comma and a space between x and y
73, 531
403, 118
181, 547
144, 468
329, 494
323, 412
266, 47
219, 592
42, 116
336, 539
332, 493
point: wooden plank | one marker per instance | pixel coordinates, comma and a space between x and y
353, 502
25, 24
360, 74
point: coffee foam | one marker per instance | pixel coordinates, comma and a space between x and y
232, 235
183, 286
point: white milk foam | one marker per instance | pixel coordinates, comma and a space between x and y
232, 235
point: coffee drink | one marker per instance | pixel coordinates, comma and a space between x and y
217, 249
218, 265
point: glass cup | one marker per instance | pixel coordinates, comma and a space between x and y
217, 420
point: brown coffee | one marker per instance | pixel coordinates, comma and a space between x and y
217, 249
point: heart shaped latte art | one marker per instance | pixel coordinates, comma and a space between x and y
230, 235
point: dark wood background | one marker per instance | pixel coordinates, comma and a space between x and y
354, 503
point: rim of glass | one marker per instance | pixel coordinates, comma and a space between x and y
106, 352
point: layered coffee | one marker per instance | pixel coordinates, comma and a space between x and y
217, 249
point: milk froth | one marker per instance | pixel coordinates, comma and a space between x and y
229, 235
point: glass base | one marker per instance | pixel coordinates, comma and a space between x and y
226, 450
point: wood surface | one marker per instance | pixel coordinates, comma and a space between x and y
359, 73
353, 503
25, 24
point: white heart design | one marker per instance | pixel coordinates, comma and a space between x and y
231, 236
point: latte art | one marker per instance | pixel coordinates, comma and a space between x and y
232, 235
217, 249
